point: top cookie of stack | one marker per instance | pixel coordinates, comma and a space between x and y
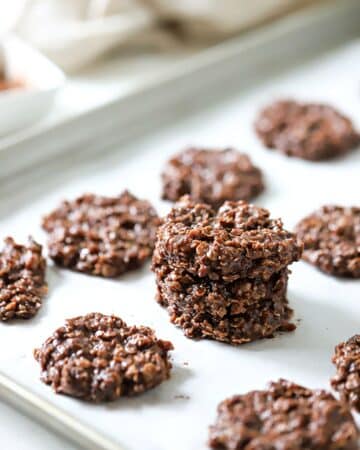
239, 241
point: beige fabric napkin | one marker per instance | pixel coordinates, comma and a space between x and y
75, 32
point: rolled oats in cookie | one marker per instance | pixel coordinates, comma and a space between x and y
347, 378
310, 131
22, 279
104, 236
331, 237
211, 176
99, 358
286, 416
238, 241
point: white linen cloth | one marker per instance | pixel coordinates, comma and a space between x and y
75, 32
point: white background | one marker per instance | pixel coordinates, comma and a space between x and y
328, 309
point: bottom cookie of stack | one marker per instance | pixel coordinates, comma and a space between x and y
237, 312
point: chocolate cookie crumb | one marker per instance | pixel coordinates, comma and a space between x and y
347, 378
99, 358
223, 275
331, 237
22, 280
211, 176
103, 236
306, 130
284, 417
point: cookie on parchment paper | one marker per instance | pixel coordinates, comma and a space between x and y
211, 176
285, 416
104, 236
22, 279
331, 237
347, 379
311, 131
100, 358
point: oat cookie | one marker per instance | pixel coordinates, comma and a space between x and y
310, 131
347, 378
236, 313
211, 176
238, 241
99, 358
22, 280
286, 416
103, 236
331, 237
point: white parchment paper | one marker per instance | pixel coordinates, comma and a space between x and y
176, 415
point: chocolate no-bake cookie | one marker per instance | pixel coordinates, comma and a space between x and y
99, 358
22, 280
237, 312
307, 130
347, 378
223, 275
286, 416
211, 176
238, 241
331, 237
103, 236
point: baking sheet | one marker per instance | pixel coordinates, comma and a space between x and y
176, 414
104, 107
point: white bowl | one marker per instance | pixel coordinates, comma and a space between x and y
22, 106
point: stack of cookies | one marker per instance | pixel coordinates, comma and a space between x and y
223, 275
